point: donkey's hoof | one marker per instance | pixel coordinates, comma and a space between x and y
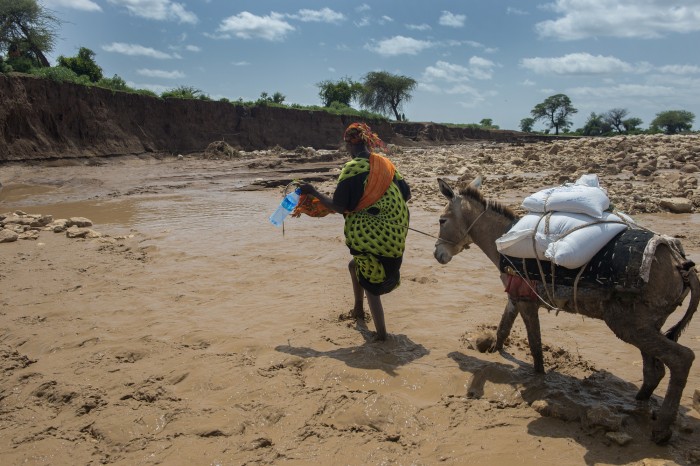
661, 436
485, 342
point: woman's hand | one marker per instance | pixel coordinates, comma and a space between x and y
307, 188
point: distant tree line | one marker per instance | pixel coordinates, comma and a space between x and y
28, 32
555, 111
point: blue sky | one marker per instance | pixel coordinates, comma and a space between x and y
472, 59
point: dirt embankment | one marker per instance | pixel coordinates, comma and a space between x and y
43, 119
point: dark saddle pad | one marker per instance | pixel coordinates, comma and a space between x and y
616, 265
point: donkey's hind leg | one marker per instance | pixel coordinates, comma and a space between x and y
676, 357
529, 312
653, 371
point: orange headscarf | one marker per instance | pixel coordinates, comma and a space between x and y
361, 133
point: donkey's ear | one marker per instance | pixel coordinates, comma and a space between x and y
476, 183
445, 189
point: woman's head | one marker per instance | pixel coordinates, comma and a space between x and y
360, 134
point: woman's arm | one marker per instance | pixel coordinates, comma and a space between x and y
327, 202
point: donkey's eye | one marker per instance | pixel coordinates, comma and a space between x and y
442, 220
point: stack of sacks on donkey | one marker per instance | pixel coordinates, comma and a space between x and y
566, 225
634, 282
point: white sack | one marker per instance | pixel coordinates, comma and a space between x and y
576, 198
570, 250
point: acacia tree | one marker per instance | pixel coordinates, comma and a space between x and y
555, 110
342, 91
385, 93
27, 29
616, 117
673, 121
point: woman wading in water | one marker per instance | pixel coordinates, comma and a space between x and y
372, 196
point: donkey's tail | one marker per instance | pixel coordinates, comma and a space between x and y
690, 276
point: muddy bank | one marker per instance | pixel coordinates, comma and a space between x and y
43, 119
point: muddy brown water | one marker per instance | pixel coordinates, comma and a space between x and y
224, 345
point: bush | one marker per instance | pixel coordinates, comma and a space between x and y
4, 67
61, 74
21, 64
116, 83
184, 92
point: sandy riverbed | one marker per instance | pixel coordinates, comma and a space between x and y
197, 333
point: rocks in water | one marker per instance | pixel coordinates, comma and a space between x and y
21, 225
677, 205
8, 236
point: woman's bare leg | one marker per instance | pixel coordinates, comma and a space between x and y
358, 311
377, 310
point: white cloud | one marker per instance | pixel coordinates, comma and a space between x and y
581, 19
680, 69
577, 64
363, 7
399, 45
419, 27
516, 11
622, 90
193, 48
135, 50
240, 63
324, 15
84, 5
161, 10
452, 20
160, 73
246, 25
479, 68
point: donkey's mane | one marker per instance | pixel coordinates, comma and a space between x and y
475, 193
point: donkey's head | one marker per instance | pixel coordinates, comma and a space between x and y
454, 230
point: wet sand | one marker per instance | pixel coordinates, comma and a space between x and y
204, 335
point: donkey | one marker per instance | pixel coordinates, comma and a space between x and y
635, 318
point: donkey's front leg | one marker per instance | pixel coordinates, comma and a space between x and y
505, 326
529, 312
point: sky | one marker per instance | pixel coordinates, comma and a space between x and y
471, 59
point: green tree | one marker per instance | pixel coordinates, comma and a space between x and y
526, 125
385, 93
265, 98
487, 123
83, 64
596, 125
632, 124
555, 110
27, 29
344, 91
673, 121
